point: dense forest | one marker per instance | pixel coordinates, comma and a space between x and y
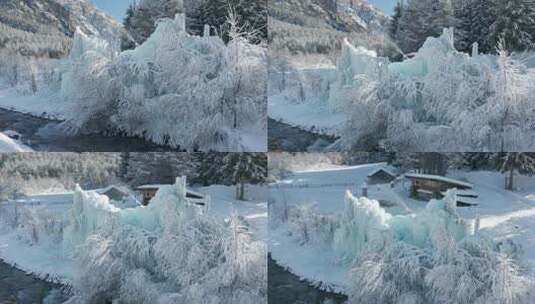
27, 173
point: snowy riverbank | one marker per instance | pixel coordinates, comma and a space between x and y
8, 144
313, 200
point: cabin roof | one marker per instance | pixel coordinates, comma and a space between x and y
381, 169
151, 187
189, 193
440, 179
110, 188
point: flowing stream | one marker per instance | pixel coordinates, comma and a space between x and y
284, 137
18, 287
286, 288
46, 135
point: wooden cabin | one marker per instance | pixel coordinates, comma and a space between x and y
149, 191
113, 193
425, 186
380, 176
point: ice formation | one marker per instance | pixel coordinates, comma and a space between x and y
366, 225
216, 90
437, 99
166, 252
430, 256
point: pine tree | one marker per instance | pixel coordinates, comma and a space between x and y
513, 23
245, 168
140, 21
478, 161
252, 16
159, 168
127, 42
422, 19
123, 167
210, 169
474, 18
510, 162
394, 23
433, 163
412, 28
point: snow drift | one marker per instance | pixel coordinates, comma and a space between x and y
167, 252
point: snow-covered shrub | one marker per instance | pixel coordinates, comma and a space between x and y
428, 257
34, 224
307, 226
439, 100
176, 89
86, 82
164, 252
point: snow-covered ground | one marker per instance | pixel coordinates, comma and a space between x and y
503, 214
299, 98
254, 210
318, 118
31, 248
46, 105
8, 144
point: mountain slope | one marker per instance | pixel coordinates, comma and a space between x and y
44, 28
319, 26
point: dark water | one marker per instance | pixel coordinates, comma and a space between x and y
20, 288
286, 288
284, 137
46, 135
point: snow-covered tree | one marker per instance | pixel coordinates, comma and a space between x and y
34, 172
513, 24
394, 22
431, 256
141, 18
168, 252
244, 168
86, 83
474, 20
522, 162
159, 167
439, 99
252, 16
217, 94
478, 161
210, 169
422, 19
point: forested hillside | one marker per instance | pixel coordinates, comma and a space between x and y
301, 27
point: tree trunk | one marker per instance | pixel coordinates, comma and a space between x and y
510, 180
242, 192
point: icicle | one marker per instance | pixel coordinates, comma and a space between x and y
206, 30
208, 203
181, 186
448, 34
475, 49
180, 20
